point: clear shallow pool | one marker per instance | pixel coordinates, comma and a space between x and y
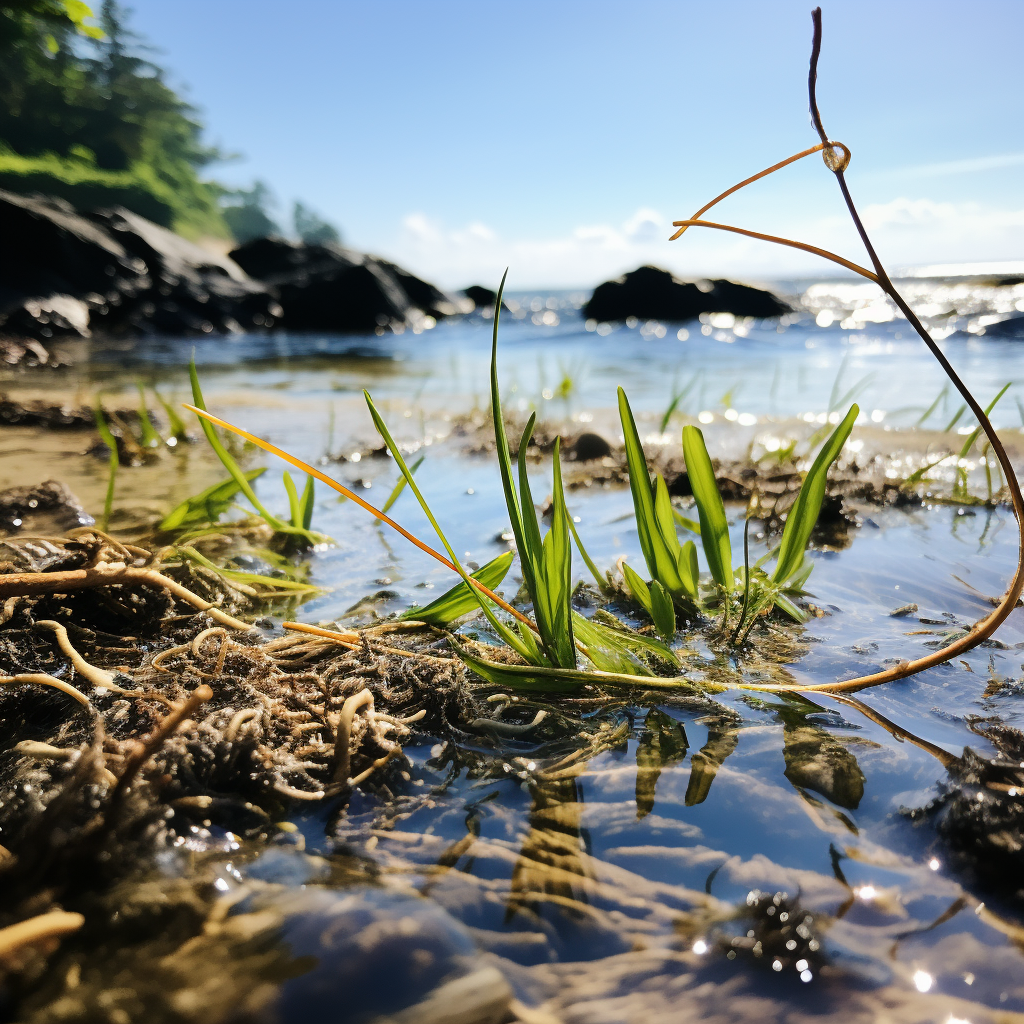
602, 890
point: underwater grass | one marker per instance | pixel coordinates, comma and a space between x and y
114, 461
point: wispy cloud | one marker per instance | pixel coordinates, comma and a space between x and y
906, 232
972, 165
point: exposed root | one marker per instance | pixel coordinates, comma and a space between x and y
47, 680
97, 676
54, 925
341, 752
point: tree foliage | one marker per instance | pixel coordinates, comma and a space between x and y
80, 102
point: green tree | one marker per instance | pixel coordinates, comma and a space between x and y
85, 115
312, 228
246, 212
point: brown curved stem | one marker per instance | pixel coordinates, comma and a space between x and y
743, 184
778, 240
985, 627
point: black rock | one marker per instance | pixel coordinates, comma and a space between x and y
48, 507
325, 287
650, 293
480, 296
66, 273
588, 447
193, 291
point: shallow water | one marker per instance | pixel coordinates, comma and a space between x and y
691, 807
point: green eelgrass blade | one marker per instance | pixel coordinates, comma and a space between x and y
804, 513
504, 456
931, 408
556, 580
548, 561
400, 486
658, 540
562, 680
615, 634
969, 443
228, 462
293, 498
687, 524
208, 505
306, 503
273, 582
512, 639
663, 611
594, 571
714, 527
638, 588
605, 649
955, 420
459, 601
150, 437
108, 439
177, 424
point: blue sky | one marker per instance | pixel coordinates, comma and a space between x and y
562, 138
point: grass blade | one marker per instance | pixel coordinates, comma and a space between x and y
150, 437
108, 439
353, 497
804, 513
640, 591
177, 424
602, 583
206, 506
459, 601
306, 504
512, 639
293, 498
400, 486
663, 611
714, 527
226, 459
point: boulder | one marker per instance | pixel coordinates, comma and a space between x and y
194, 291
650, 293
65, 273
325, 287
45, 508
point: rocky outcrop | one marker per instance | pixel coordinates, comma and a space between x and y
64, 274
326, 287
650, 293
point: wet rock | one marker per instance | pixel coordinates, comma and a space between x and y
588, 447
47, 508
980, 811
325, 287
193, 290
481, 297
817, 760
380, 955
68, 273
47, 317
1011, 328
650, 293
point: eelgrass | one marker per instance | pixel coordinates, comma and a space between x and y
114, 461
298, 528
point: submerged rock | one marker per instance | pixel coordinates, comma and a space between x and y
325, 287
47, 508
379, 954
980, 812
650, 293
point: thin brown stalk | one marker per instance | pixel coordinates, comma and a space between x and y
836, 157
779, 240
362, 503
747, 181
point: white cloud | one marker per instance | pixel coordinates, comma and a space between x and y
905, 231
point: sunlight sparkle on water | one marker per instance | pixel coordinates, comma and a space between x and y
923, 981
